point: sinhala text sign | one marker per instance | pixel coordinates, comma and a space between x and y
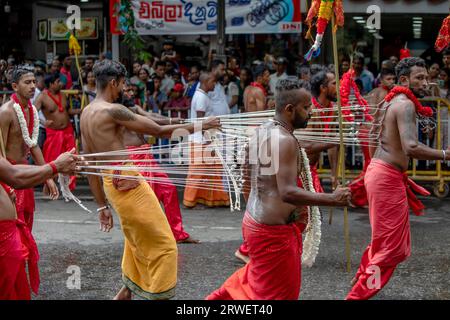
200, 16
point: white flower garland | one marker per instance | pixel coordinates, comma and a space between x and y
313, 230
33, 141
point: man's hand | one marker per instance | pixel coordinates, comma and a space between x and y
211, 123
106, 220
177, 121
342, 197
66, 162
51, 189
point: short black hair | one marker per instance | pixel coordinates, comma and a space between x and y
316, 68
159, 64
446, 51
318, 80
51, 78
259, 70
387, 72
249, 74
287, 92
215, 63
106, 70
403, 68
19, 71
39, 75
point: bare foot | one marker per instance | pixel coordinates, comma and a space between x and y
123, 294
241, 257
189, 240
354, 280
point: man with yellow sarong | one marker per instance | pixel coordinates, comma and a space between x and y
149, 263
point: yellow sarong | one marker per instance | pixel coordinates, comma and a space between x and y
149, 263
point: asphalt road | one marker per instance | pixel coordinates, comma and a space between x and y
67, 236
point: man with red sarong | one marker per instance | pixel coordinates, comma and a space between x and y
273, 223
375, 97
59, 131
17, 246
323, 87
19, 123
388, 188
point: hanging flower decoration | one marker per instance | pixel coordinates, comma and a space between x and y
323, 9
74, 46
443, 39
348, 85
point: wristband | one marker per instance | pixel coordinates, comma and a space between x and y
170, 121
53, 166
102, 208
444, 154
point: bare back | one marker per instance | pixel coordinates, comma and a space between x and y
390, 148
99, 131
265, 203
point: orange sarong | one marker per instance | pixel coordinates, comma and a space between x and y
196, 191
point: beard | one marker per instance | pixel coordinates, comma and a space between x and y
119, 98
300, 123
128, 102
332, 98
419, 93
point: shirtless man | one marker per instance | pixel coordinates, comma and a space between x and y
59, 131
323, 89
17, 149
388, 188
149, 264
269, 226
255, 95
165, 191
17, 247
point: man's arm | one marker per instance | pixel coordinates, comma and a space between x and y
159, 119
287, 180
5, 122
133, 122
406, 121
27, 176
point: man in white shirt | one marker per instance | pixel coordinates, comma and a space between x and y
281, 66
218, 98
199, 159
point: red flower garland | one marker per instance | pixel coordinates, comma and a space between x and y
421, 110
347, 84
260, 86
327, 115
443, 39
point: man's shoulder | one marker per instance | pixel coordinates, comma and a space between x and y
6, 108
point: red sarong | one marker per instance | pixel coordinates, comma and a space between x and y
274, 270
243, 249
164, 190
389, 192
57, 142
17, 246
357, 188
25, 204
